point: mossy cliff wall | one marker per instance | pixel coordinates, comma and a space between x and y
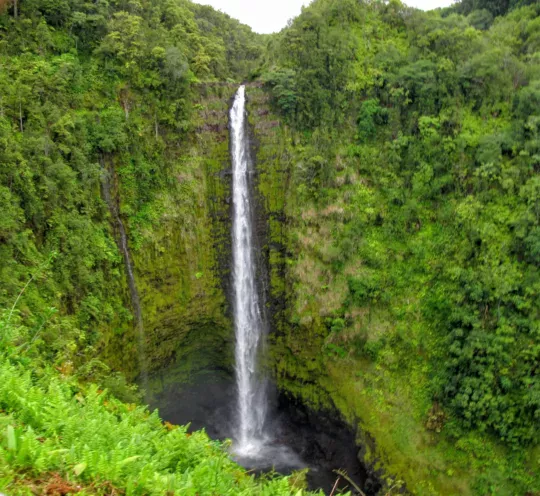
182, 272
181, 262
305, 298
183, 265
296, 363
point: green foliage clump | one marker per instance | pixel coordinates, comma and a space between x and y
51, 423
282, 83
370, 115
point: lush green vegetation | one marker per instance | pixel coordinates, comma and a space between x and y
89, 90
414, 213
93, 91
61, 436
403, 199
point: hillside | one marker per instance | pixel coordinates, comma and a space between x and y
412, 235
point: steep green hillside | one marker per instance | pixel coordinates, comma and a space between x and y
62, 437
411, 248
90, 89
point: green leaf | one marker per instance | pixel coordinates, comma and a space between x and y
129, 460
11, 438
79, 469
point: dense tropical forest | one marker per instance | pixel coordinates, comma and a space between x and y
398, 154
415, 211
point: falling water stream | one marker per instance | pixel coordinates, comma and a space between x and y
255, 443
122, 242
250, 329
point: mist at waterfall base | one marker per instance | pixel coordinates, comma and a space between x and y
316, 441
269, 432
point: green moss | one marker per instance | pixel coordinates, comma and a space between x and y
181, 257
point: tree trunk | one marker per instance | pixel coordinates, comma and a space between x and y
15, 10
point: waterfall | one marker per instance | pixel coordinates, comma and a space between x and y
252, 401
122, 242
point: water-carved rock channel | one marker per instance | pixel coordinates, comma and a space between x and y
269, 430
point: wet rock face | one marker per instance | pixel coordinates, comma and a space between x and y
206, 403
182, 265
326, 443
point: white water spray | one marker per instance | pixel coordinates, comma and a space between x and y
249, 324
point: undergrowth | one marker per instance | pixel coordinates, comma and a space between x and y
61, 436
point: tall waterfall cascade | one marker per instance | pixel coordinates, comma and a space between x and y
250, 329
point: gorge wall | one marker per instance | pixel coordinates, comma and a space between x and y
184, 275
182, 263
398, 213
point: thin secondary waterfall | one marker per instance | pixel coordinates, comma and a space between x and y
134, 293
252, 401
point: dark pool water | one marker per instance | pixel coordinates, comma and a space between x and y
299, 438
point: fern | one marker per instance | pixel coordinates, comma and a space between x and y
51, 423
